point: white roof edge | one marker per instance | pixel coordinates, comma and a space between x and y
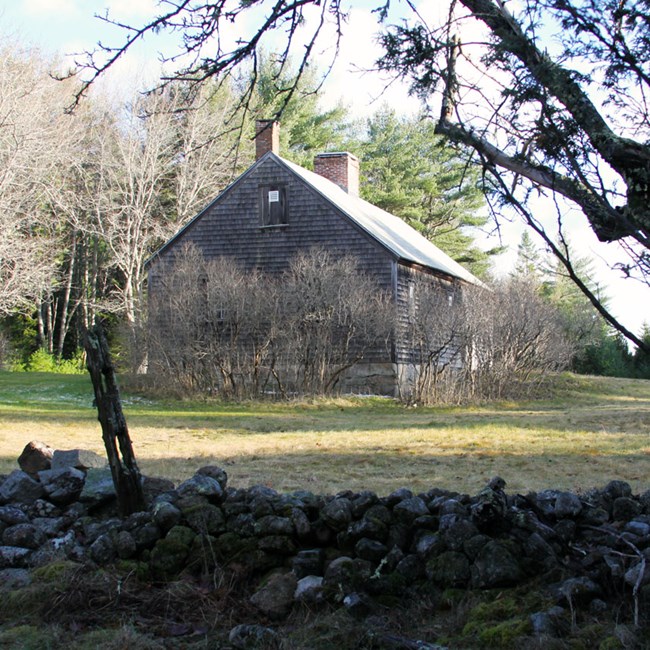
395, 234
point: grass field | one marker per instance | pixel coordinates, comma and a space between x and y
594, 430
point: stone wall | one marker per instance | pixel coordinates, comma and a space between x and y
355, 548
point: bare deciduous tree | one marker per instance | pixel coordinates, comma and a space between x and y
550, 96
35, 137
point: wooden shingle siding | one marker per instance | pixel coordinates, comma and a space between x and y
318, 214
231, 227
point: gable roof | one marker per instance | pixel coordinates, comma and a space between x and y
396, 235
393, 233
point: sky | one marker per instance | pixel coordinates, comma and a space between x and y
61, 28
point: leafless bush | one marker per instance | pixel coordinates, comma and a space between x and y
334, 316
211, 326
436, 322
514, 338
491, 344
215, 328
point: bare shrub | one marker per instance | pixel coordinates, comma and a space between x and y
436, 323
217, 329
514, 337
334, 316
483, 343
211, 325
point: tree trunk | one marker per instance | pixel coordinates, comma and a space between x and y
126, 475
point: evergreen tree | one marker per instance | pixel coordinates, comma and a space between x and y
409, 171
307, 129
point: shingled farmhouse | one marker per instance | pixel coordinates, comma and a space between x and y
277, 209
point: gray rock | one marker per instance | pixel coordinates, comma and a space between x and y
275, 598
62, 486
449, 569
458, 533
13, 515
625, 509
397, 496
548, 623
410, 567
339, 572
146, 536
206, 519
633, 573
253, 637
309, 589
98, 487
370, 549
217, 473
540, 552
453, 507
154, 487
370, 528
11, 579
407, 510
472, 547
41, 508
125, 545
261, 491
308, 562
545, 501
24, 535
337, 514
13, 556
567, 505
20, 487
616, 489
35, 457
273, 525
166, 515
362, 502
202, 485
429, 544
644, 500
300, 523
102, 550
277, 544
638, 528
78, 458
495, 566
56, 550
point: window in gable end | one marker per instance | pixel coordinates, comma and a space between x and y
273, 205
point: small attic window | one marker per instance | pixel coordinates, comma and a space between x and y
273, 205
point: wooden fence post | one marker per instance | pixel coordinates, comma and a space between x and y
125, 472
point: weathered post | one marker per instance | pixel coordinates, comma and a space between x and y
125, 472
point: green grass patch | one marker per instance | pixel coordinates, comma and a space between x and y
590, 430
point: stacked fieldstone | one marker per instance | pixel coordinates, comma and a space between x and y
355, 549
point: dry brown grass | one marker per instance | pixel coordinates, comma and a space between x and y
594, 430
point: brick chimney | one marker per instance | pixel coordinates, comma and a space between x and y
267, 137
341, 168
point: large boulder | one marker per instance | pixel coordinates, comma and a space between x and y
35, 457
495, 566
